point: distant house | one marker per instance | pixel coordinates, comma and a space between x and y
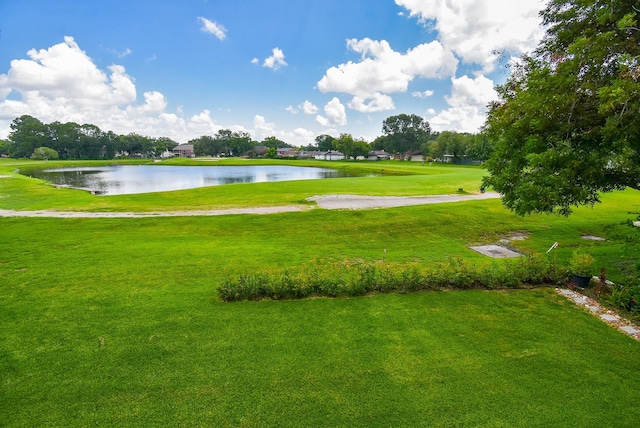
415, 156
377, 155
330, 155
287, 152
184, 151
306, 154
260, 150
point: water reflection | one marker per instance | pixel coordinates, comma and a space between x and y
130, 179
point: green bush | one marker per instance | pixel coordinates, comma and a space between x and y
625, 297
357, 279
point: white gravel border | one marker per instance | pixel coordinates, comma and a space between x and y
608, 316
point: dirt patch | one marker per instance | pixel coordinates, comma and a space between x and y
514, 236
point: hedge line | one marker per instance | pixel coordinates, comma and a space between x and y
360, 278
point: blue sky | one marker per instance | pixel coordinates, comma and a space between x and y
292, 69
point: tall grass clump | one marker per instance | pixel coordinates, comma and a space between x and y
342, 279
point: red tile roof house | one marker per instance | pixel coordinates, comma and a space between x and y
184, 151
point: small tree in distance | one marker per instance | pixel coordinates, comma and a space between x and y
44, 153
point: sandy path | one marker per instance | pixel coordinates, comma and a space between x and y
330, 202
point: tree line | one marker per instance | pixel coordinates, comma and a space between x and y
29, 137
401, 134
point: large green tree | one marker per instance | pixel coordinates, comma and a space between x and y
450, 143
273, 142
225, 142
567, 125
324, 142
44, 153
404, 132
27, 133
345, 144
4, 147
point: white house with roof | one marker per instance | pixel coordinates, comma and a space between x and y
330, 155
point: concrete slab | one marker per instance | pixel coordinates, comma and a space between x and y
610, 318
495, 251
629, 329
592, 238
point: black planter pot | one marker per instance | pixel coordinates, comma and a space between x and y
581, 281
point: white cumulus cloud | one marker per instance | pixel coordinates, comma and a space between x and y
476, 29
467, 105
308, 107
335, 114
212, 27
276, 60
377, 102
62, 83
423, 94
382, 71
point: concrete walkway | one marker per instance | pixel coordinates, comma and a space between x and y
356, 202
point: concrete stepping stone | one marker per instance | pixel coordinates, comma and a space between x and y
593, 238
629, 329
495, 251
610, 318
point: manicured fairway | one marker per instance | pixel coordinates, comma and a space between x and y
115, 322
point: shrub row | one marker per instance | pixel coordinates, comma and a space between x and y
360, 278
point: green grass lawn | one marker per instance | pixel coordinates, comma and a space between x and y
115, 322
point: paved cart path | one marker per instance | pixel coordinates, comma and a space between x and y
330, 202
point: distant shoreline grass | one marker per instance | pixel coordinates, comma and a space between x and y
117, 322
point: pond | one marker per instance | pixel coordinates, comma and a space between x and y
130, 179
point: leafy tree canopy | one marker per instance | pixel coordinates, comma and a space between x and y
225, 142
325, 142
273, 142
403, 133
567, 125
44, 153
4, 147
351, 147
